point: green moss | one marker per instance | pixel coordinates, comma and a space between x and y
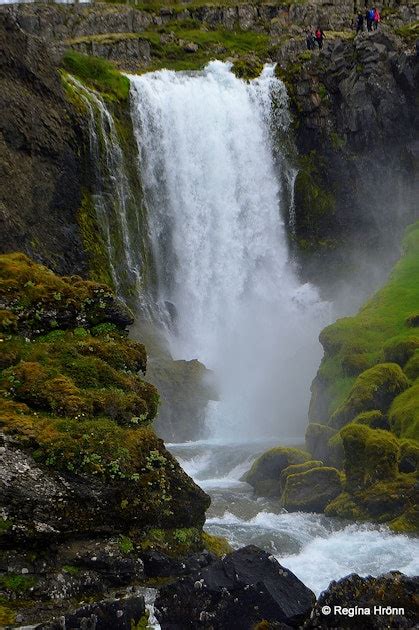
344, 506
400, 350
97, 73
374, 389
125, 544
407, 523
411, 369
17, 584
409, 456
265, 472
142, 624
358, 342
311, 490
247, 68
93, 242
174, 542
404, 413
314, 200
370, 455
297, 468
374, 419
217, 545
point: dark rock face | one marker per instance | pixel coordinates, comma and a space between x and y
355, 107
119, 614
45, 505
157, 564
237, 592
392, 591
41, 145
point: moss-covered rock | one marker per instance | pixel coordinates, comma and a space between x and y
400, 350
411, 369
374, 419
370, 455
407, 523
404, 413
265, 472
317, 440
409, 456
76, 415
312, 490
297, 468
373, 389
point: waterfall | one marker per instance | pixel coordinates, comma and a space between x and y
213, 182
114, 201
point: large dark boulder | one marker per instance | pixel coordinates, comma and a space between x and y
237, 592
391, 600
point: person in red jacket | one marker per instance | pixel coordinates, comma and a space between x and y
319, 35
376, 19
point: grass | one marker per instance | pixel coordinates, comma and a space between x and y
157, 5
98, 74
381, 320
409, 32
212, 44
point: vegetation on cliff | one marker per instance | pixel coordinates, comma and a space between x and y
364, 412
80, 457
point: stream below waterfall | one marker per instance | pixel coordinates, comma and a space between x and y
316, 548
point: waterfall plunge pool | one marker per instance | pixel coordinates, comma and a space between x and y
316, 548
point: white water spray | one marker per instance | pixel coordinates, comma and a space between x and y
212, 179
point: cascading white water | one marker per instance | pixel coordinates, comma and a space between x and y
112, 194
212, 181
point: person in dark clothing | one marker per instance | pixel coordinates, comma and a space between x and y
359, 23
319, 37
309, 40
369, 19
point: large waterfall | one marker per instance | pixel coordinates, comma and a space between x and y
214, 181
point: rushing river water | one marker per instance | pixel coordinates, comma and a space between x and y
316, 548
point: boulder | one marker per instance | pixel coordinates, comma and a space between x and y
265, 472
391, 600
157, 564
237, 592
312, 490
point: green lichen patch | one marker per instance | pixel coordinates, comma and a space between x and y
217, 545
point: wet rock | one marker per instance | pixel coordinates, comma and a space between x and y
312, 490
118, 614
264, 475
239, 591
391, 600
157, 564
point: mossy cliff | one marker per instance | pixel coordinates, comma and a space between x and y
79, 457
362, 442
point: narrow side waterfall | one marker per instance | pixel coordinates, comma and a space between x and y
212, 179
112, 196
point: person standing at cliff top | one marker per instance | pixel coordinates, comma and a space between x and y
376, 19
369, 16
319, 37
310, 40
359, 23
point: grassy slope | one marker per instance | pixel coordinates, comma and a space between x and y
364, 340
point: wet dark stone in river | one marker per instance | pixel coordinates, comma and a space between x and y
244, 588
